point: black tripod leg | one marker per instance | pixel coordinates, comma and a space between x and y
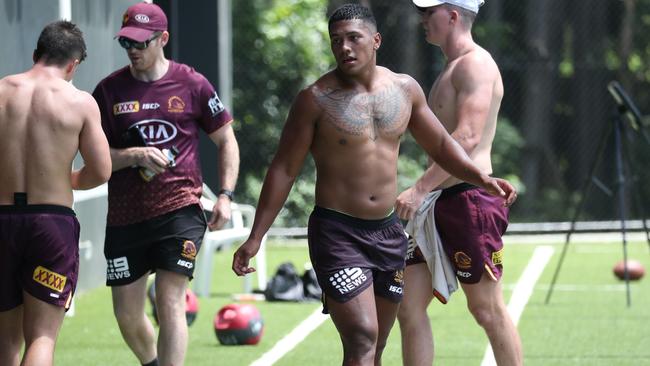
585, 193
644, 219
620, 181
638, 202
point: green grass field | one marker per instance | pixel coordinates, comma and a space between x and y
586, 323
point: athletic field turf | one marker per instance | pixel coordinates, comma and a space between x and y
586, 323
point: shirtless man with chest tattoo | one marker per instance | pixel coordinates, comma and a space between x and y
351, 120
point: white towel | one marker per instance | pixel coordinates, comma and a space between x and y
422, 228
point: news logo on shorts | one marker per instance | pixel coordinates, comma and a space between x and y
117, 268
348, 279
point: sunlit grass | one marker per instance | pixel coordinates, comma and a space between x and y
586, 323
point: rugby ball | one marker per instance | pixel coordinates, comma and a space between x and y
191, 304
635, 269
238, 324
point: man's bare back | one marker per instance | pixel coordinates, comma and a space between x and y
356, 141
473, 74
44, 121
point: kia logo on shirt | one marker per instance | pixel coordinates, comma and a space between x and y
156, 131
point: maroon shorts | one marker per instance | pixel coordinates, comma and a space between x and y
170, 241
349, 254
471, 223
39, 253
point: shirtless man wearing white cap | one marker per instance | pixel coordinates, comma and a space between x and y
465, 97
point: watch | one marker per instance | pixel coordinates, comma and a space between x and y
227, 193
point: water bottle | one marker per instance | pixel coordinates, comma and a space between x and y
171, 153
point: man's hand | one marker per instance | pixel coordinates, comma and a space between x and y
243, 255
502, 188
408, 202
221, 213
151, 158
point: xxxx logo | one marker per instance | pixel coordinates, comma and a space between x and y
49, 279
126, 107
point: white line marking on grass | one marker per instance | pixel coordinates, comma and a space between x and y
292, 339
523, 290
582, 288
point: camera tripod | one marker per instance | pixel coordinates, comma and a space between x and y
626, 110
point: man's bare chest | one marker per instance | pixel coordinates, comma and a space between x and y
384, 112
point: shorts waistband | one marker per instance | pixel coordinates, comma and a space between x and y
356, 222
36, 209
456, 189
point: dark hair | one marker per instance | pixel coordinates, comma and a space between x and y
352, 11
59, 43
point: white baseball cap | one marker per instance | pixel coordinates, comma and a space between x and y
471, 5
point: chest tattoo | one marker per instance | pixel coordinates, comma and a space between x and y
352, 113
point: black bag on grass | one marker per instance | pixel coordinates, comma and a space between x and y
285, 285
310, 285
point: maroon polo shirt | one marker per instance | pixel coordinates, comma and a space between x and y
169, 112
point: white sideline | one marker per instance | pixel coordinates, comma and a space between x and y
292, 339
523, 290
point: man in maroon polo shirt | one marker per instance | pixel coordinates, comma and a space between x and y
152, 111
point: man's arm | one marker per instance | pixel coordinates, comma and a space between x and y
449, 154
473, 88
93, 148
296, 139
408, 202
149, 157
226, 142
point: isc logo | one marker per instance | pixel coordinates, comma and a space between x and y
150, 106
185, 264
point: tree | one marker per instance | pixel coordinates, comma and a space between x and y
279, 48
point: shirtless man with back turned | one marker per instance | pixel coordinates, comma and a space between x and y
44, 121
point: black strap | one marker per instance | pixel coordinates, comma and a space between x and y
227, 193
20, 198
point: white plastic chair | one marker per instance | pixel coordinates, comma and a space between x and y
235, 231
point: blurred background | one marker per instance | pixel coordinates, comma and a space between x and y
556, 58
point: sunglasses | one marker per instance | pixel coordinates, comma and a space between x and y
127, 43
